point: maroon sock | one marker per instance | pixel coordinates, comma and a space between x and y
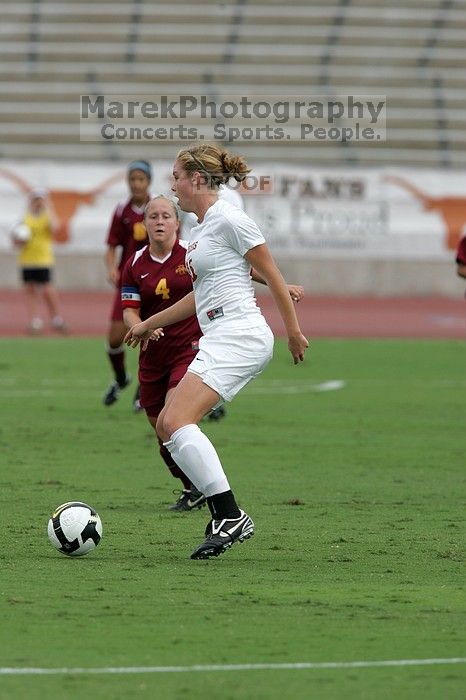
173, 467
117, 360
178, 474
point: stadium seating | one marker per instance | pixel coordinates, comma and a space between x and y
412, 52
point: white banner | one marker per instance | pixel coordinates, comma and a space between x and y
303, 212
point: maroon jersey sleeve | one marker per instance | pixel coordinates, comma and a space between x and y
127, 231
130, 292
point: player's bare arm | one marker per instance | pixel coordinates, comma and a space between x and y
296, 291
113, 274
131, 317
261, 260
184, 308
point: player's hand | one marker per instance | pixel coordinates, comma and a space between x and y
157, 334
138, 334
297, 345
296, 292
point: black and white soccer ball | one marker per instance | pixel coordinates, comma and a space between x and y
75, 528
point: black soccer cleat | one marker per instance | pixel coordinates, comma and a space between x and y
221, 534
217, 413
113, 392
188, 500
137, 408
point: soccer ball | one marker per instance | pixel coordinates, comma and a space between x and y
21, 233
75, 528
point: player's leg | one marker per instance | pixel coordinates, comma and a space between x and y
51, 300
35, 323
137, 407
117, 358
116, 353
154, 394
194, 453
221, 368
189, 497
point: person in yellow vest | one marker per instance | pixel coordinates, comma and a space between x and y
34, 240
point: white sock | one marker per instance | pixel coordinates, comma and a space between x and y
196, 456
114, 351
37, 323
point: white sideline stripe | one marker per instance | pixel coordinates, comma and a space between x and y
279, 387
273, 387
227, 667
331, 385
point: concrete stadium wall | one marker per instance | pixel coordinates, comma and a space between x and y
358, 277
342, 231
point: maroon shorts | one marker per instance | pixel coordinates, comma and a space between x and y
153, 394
117, 309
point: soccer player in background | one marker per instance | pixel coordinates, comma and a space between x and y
36, 261
154, 278
237, 343
461, 258
127, 234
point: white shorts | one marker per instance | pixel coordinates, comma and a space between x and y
227, 362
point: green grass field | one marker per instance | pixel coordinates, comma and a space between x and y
357, 495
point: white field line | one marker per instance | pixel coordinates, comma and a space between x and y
298, 388
11, 386
10, 389
5, 671
49, 388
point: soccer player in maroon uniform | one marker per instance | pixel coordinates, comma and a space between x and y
127, 234
153, 279
461, 258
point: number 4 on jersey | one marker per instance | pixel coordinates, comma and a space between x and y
162, 288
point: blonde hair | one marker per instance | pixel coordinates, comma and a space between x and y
167, 199
215, 163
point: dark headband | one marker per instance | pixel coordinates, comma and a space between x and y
140, 165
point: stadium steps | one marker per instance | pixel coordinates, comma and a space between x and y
256, 54
250, 33
252, 74
53, 52
55, 110
258, 154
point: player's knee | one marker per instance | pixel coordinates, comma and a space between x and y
161, 429
166, 425
116, 335
114, 340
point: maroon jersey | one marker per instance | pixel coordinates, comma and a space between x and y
127, 230
461, 252
152, 286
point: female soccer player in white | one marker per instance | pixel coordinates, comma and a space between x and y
237, 343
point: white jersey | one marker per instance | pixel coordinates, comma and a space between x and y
189, 219
222, 282
231, 195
